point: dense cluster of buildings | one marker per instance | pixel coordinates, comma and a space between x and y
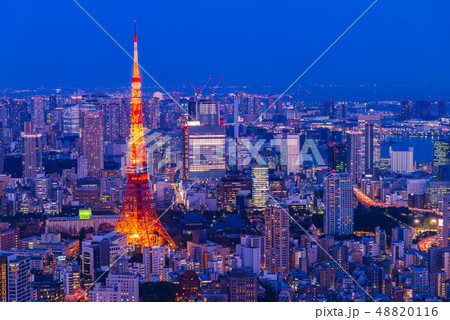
266, 198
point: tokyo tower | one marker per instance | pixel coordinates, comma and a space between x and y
138, 219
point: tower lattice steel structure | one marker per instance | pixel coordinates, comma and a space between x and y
138, 219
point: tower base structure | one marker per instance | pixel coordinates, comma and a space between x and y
138, 219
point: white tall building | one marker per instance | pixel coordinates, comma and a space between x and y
154, 261
402, 161
293, 153
338, 200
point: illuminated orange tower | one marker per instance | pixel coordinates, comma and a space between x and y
138, 219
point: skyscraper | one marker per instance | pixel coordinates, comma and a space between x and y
276, 222
92, 140
338, 157
208, 112
441, 153
32, 155
370, 126
354, 164
338, 199
329, 109
38, 112
260, 186
293, 153
446, 217
203, 151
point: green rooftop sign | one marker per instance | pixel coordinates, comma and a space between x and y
84, 214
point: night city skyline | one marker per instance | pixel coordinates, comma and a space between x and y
248, 152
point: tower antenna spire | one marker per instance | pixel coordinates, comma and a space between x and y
135, 33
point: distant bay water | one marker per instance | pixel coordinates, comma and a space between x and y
423, 146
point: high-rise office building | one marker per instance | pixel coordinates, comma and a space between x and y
338, 200
329, 109
260, 186
32, 155
436, 190
276, 222
446, 218
207, 112
370, 126
92, 140
441, 153
293, 153
402, 161
355, 166
338, 157
38, 112
203, 151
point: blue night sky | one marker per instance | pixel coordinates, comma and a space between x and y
54, 43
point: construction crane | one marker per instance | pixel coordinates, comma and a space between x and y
198, 90
216, 86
